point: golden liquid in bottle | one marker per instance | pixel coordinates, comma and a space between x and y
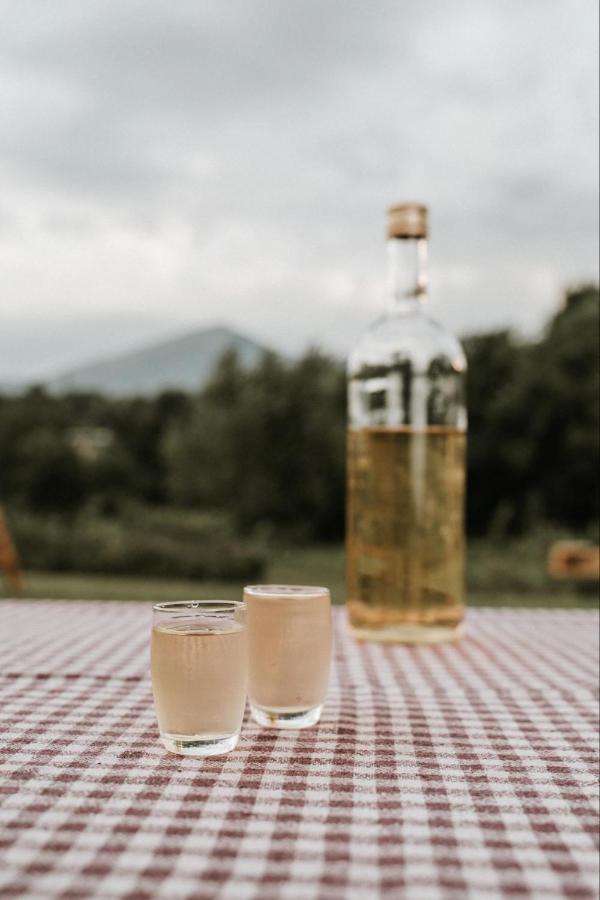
405, 534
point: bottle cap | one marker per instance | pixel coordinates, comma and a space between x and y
407, 220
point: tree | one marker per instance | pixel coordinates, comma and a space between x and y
268, 445
533, 409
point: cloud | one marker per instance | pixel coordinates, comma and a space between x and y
170, 165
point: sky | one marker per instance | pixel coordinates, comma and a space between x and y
167, 166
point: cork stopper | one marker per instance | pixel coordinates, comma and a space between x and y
407, 220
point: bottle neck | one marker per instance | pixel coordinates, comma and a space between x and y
407, 273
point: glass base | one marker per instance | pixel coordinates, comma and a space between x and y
199, 745
281, 718
409, 633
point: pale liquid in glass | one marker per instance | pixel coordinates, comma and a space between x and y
405, 534
289, 646
199, 679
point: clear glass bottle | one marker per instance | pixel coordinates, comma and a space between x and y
406, 459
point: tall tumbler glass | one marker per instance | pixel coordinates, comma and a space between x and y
199, 675
289, 653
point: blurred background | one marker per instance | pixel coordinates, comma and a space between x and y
192, 207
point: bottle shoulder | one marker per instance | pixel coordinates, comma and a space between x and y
412, 337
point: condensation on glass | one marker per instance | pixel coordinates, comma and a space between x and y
406, 459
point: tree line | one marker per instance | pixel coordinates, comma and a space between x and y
266, 446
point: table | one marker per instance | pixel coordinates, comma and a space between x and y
436, 772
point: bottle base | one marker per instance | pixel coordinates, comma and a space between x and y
198, 745
409, 633
295, 719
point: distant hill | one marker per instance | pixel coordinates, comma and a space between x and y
184, 363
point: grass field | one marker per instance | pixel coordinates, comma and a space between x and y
511, 576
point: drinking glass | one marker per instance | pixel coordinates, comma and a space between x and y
199, 674
289, 653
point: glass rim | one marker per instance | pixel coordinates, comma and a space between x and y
217, 606
301, 591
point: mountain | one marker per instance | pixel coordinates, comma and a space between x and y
185, 362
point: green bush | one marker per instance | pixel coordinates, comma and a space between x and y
266, 446
163, 543
519, 565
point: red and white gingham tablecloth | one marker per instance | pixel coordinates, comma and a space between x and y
437, 772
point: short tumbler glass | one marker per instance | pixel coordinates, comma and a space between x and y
199, 674
289, 653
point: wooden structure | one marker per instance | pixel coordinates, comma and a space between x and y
574, 560
9, 560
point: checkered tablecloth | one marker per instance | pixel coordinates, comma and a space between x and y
436, 772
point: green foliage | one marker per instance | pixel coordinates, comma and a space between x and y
519, 565
49, 473
162, 543
42, 469
490, 580
534, 429
267, 445
266, 448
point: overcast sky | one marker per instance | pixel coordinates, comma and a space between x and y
171, 165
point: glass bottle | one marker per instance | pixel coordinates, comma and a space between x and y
406, 459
